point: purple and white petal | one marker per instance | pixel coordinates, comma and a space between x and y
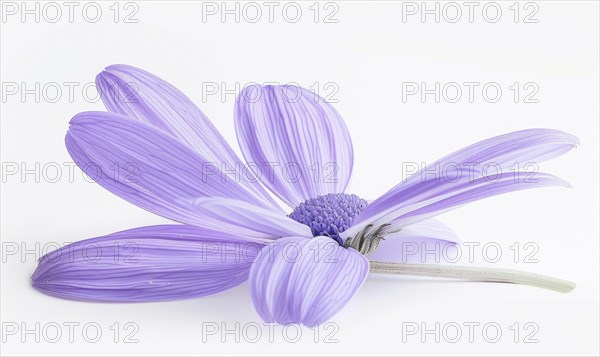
487, 164
246, 218
297, 141
431, 198
141, 95
421, 242
305, 281
153, 170
168, 262
503, 153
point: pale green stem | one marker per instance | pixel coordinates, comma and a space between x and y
474, 274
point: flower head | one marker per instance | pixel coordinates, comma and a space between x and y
303, 262
329, 215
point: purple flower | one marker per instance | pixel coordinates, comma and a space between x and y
157, 150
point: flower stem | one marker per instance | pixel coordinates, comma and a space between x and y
474, 274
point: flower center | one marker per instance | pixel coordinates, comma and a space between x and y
329, 215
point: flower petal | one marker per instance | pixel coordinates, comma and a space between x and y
154, 263
141, 95
298, 142
431, 198
522, 147
245, 216
153, 170
467, 167
305, 281
414, 244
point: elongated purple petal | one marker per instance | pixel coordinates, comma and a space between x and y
305, 281
435, 198
168, 262
296, 139
141, 95
478, 189
415, 243
247, 218
521, 147
489, 164
155, 171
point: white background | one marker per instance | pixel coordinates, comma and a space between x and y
368, 54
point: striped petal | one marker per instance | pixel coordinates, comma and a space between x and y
437, 198
143, 96
305, 281
298, 142
462, 177
157, 172
246, 218
168, 262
